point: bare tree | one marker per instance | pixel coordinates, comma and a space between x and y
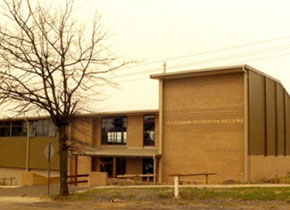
51, 62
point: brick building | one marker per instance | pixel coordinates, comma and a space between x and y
234, 121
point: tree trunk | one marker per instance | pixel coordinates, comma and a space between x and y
63, 161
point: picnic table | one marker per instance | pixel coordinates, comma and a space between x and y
206, 174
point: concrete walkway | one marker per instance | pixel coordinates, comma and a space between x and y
40, 191
187, 186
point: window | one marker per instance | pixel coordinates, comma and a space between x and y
114, 130
19, 128
149, 130
106, 165
41, 128
148, 167
13, 128
5, 128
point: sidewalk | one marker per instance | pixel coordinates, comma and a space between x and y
187, 186
32, 191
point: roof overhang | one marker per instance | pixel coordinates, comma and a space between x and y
120, 151
200, 72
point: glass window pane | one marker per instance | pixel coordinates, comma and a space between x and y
113, 129
45, 127
38, 125
32, 128
4, 128
18, 128
51, 130
149, 130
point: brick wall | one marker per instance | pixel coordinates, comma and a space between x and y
204, 126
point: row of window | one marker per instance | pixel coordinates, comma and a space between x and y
19, 128
114, 130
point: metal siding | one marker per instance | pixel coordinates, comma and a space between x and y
256, 114
37, 159
280, 119
271, 117
288, 126
13, 151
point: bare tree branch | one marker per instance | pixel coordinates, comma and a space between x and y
49, 61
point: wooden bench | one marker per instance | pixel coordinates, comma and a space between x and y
3, 180
136, 176
206, 174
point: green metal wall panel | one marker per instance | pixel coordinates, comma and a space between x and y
12, 152
256, 114
37, 159
271, 116
280, 120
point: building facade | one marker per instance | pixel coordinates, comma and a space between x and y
232, 121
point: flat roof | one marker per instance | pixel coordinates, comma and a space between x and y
199, 72
92, 114
212, 71
209, 71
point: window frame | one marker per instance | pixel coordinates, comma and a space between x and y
114, 134
42, 123
144, 140
14, 128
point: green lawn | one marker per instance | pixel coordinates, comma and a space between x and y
159, 194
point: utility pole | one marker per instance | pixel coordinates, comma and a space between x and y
164, 67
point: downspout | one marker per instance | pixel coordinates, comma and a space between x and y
246, 126
27, 144
160, 129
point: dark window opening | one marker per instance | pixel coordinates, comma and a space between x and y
148, 167
149, 130
13, 128
106, 165
94, 164
114, 130
19, 128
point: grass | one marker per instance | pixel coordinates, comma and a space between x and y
285, 179
259, 193
161, 194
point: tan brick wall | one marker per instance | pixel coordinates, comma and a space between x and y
84, 164
97, 179
266, 166
156, 130
134, 166
204, 126
34, 179
98, 131
82, 129
135, 131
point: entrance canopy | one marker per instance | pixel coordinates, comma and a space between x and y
111, 151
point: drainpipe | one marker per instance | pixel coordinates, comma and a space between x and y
161, 124
27, 144
246, 126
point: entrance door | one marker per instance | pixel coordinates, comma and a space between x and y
107, 165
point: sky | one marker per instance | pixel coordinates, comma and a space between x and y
191, 34
188, 35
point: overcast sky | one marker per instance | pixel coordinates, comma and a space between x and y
189, 34
198, 34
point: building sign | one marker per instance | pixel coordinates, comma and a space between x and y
204, 121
